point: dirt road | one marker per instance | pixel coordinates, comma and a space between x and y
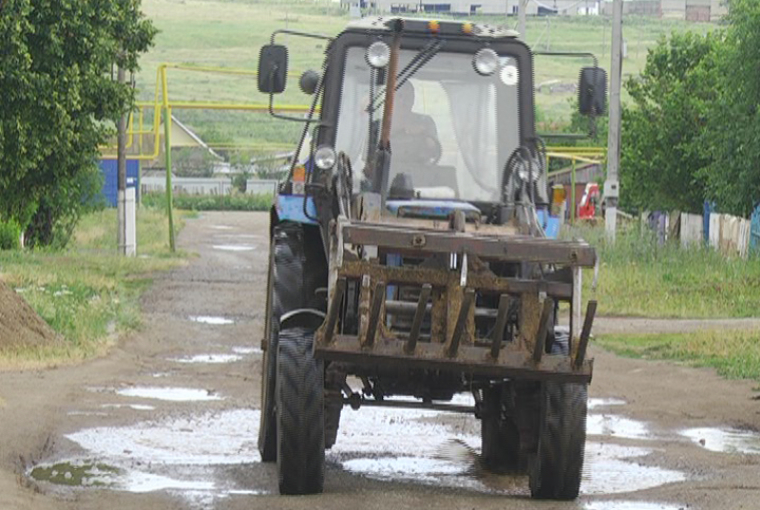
169, 419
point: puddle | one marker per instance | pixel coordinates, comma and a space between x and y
227, 437
171, 394
406, 445
241, 236
608, 469
725, 440
86, 413
209, 358
74, 474
136, 407
192, 455
88, 474
616, 426
630, 505
234, 247
222, 227
246, 350
187, 456
594, 403
214, 321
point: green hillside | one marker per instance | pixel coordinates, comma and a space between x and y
229, 34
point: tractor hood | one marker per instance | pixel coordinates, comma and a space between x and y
431, 209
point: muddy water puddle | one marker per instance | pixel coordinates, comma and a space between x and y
725, 440
234, 247
136, 407
246, 350
616, 426
169, 394
630, 505
377, 443
209, 358
181, 455
211, 320
189, 455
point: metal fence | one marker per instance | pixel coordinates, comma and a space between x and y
731, 235
207, 186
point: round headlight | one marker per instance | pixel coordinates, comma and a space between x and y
324, 157
378, 54
485, 62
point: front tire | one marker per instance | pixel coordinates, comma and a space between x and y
300, 415
297, 268
557, 467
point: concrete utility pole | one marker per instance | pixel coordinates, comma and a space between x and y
611, 185
522, 5
121, 166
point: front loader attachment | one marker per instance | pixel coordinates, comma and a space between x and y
475, 302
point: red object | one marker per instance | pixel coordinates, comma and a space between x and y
587, 207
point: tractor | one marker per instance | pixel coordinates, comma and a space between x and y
408, 252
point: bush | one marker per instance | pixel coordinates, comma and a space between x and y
10, 235
233, 202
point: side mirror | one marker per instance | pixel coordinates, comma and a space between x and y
273, 68
309, 82
592, 91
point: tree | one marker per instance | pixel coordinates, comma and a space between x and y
58, 100
662, 158
731, 138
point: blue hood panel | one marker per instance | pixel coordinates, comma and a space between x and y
433, 209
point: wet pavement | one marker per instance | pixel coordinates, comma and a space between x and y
185, 422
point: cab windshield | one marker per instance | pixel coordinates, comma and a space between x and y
452, 129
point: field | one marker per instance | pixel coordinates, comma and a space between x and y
229, 34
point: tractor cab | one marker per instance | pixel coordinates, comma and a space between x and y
440, 111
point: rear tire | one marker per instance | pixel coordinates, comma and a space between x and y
300, 415
557, 467
499, 434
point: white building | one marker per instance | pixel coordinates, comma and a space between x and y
691, 10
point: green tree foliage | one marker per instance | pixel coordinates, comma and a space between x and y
692, 131
731, 140
662, 159
58, 98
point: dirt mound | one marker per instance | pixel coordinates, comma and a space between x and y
19, 323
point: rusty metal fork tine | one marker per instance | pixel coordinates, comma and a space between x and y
374, 314
469, 297
332, 313
585, 334
501, 323
543, 326
419, 314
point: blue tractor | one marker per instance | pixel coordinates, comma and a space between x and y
408, 252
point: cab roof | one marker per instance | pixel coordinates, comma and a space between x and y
424, 25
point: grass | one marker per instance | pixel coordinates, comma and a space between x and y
87, 293
734, 354
229, 33
639, 277
233, 202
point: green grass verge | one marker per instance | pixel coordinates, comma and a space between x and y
87, 293
734, 354
639, 277
233, 202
